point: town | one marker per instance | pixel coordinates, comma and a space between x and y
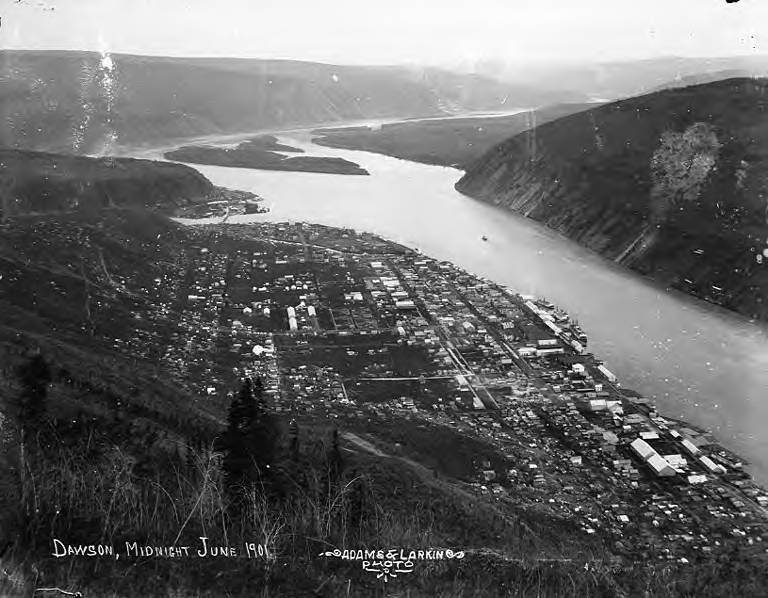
400, 350
346, 326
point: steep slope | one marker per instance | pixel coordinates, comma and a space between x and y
73, 285
671, 184
85, 102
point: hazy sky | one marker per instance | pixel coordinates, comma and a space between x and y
443, 32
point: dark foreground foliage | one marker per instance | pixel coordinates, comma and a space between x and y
292, 487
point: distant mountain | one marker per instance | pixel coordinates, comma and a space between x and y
85, 102
701, 78
448, 142
621, 79
671, 184
475, 92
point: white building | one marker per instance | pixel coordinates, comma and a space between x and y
711, 465
660, 466
407, 304
607, 373
642, 448
690, 448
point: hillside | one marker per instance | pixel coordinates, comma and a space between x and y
447, 142
671, 184
38, 182
105, 299
84, 102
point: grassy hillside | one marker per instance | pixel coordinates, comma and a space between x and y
83, 102
670, 184
449, 142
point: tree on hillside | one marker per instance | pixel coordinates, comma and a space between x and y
232, 443
250, 441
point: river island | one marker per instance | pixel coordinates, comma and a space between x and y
263, 153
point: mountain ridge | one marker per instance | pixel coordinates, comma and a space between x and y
668, 184
622, 78
87, 102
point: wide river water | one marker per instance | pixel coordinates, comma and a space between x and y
695, 361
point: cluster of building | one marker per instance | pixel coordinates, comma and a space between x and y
344, 325
223, 203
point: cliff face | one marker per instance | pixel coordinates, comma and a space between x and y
35, 182
673, 185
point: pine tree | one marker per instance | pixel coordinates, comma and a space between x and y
250, 442
233, 442
262, 433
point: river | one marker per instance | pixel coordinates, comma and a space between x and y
695, 361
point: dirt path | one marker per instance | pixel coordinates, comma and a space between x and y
363, 444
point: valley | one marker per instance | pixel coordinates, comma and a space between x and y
93, 102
